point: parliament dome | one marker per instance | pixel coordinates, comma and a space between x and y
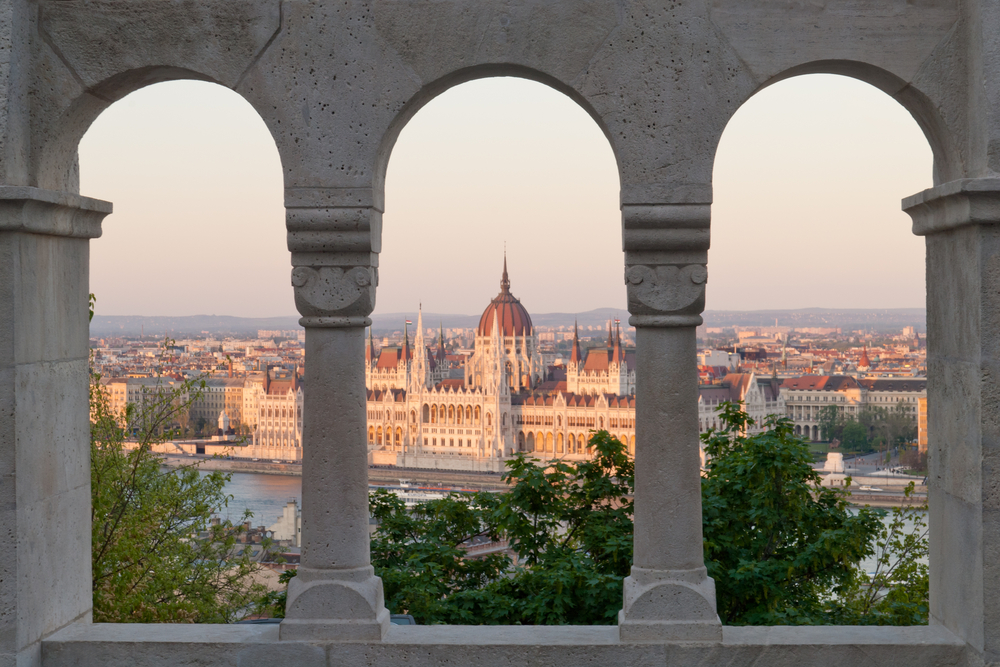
512, 318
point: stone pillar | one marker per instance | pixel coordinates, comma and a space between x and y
669, 595
334, 235
45, 577
960, 221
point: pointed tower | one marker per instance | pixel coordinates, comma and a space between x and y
574, 355
617, 351
442, 354
863, 363
370, 357
419, 375
611, 336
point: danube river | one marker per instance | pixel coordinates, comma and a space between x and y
267, 495
264, 495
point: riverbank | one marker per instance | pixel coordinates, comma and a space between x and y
889, 493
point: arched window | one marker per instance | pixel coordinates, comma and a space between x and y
520, 442
600, 422
548, 443
399, 438
451, 414
434, 413
504, 419
530, 444
378, 436
468, 414
371, 434
477, 416
413, 416
489, 418
458, 415
559, 443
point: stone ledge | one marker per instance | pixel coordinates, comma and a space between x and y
110, 645
967, 201
49, 212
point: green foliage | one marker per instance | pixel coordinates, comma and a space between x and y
854, 437
570, 524
896, 592
782, 548
776, 541
156, 556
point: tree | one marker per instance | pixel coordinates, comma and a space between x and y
854, 436
156, 554
831, 422
569, 523
777, 542
782, 548
896, 591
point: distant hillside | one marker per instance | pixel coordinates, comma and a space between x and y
386, 323
848, 319
133, 325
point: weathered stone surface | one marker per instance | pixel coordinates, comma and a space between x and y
335, 82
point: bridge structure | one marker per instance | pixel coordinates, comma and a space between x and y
335, 82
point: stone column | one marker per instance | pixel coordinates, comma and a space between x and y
45, 577
669, 595
960, 221
334, 236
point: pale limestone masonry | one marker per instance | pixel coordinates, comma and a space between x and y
335, 82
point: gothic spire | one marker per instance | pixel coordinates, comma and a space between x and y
504, 280
618, 343
441, 353
574, 356
370, 350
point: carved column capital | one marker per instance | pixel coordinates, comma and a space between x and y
333, 296
334, 235
666, 251
666, 295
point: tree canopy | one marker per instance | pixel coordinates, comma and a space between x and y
156, 554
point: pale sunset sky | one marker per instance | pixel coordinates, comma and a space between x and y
808, 181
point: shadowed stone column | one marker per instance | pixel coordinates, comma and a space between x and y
45, 577
669, 595
333, 236
960, 221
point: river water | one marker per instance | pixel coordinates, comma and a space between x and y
267, 495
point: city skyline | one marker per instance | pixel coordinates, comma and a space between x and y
555, 208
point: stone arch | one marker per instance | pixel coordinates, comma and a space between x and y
451, 414
477, 416
434, 413
520, 441
468, 414
459, 415
399, 438
943, 141
530, 442
485, 71
559, 443
378, 436
548, 443
426, 413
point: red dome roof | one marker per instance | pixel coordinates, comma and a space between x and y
513, 318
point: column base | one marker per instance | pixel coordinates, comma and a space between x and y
669, 605
335, 605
